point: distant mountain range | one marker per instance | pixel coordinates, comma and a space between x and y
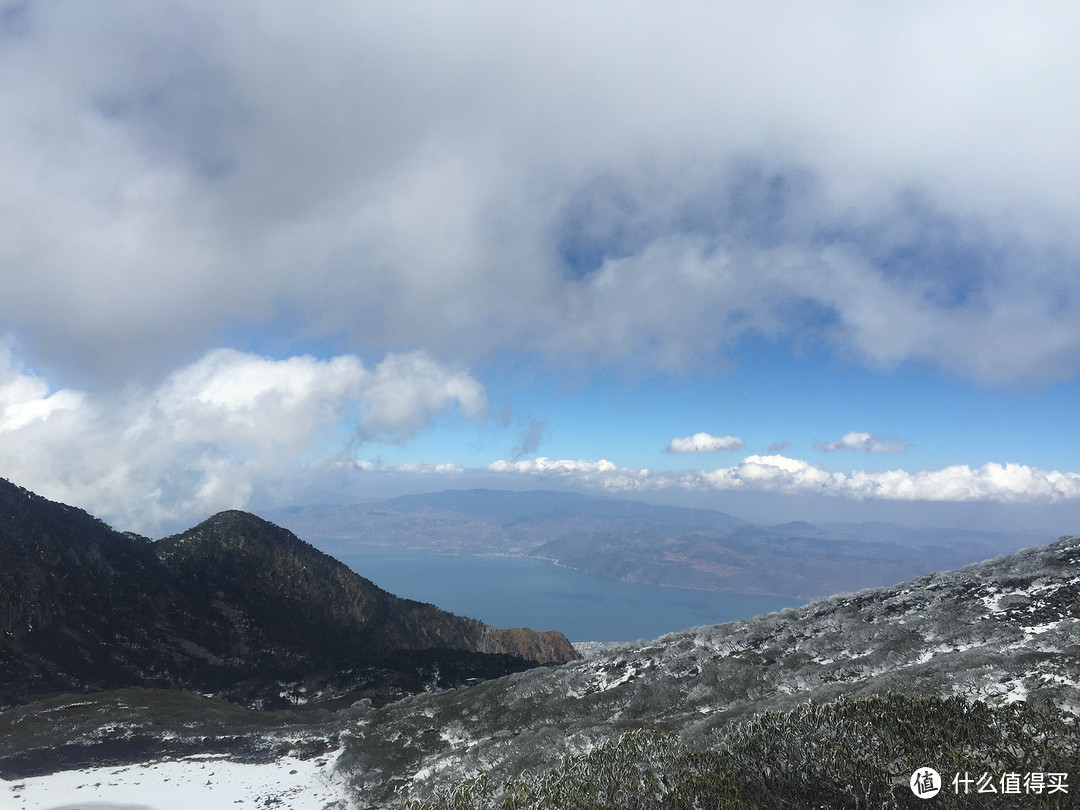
235, 606
658, 545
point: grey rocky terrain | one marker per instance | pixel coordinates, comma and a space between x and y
1001, 631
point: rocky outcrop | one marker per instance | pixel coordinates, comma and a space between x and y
544, 647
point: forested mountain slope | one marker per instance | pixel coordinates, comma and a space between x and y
236, 606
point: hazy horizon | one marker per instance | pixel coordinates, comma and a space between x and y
767, 509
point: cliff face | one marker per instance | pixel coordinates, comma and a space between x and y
545, 647
235, 605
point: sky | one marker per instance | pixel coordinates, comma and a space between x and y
781, 259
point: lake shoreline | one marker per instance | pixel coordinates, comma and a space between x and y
506, 590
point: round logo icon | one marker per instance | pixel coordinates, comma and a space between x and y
925, 783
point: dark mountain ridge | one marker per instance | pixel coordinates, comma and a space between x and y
235, 605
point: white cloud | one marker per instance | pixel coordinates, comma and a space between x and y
25, 397
214, 432
779, 473
705, 443
864, 441
549, 466
409, 468
406, 390
1008, 483
421, 177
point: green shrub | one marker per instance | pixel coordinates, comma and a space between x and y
849, 753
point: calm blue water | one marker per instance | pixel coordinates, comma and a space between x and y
521, 592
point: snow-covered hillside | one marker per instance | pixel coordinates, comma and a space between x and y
191, 783
1000, 631
1004, 630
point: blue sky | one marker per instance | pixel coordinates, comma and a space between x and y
776, 401
254, 255
771, 396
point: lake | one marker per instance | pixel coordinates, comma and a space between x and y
524, 592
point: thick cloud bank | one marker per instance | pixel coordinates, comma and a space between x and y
603, 184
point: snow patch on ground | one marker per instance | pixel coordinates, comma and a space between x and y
1014, 690
1039, 629
455, 735
992, 600
207, 781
